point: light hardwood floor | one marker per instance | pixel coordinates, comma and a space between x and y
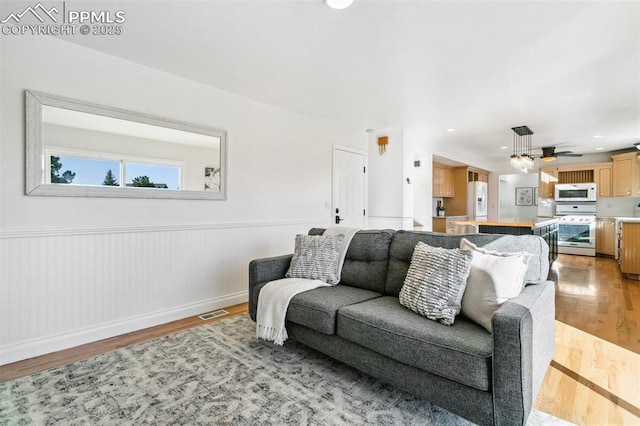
594, 378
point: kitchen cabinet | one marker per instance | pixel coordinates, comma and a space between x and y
451, 223
476, 175
447, 224
625, 175
548, 177
576, 174
619, 178
449, 187
630, 249
443, 182
606, 236
602, 175
439, 224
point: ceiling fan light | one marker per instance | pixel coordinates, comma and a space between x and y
338, 4
548, 159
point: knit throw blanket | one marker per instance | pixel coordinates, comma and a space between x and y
275, 296
273, 303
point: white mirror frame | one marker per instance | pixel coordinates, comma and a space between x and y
35, 155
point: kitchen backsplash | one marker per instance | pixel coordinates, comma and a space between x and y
605, 207
621, 206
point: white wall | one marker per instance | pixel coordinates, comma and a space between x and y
73, 270
417, 145
390, 195
417, 140
507, 193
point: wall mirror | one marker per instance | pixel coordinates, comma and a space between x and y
77, 148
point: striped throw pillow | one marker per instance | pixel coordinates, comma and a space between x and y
436, 281
316, 257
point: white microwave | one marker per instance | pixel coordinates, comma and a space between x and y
576, 192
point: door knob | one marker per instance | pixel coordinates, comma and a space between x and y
338, 219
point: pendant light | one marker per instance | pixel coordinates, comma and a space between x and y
521, 158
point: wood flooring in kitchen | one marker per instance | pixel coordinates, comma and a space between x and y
594, 378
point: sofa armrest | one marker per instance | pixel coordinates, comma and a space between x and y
523, 346
263, 271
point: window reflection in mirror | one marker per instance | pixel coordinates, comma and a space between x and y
77, 148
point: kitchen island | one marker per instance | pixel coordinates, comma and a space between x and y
545, 227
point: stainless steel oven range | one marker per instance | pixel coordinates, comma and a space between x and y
577, 228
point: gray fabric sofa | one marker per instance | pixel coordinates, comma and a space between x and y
488, 378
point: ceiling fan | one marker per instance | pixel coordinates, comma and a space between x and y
549, 154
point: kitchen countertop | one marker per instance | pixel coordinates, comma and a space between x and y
450, 217
514, 222
627, 219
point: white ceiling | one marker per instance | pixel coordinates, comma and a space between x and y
569, 70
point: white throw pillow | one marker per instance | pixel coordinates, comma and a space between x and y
494, 278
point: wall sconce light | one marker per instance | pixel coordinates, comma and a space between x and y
383, 141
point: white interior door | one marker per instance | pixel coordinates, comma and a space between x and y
349, 187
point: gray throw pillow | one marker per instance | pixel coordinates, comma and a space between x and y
316, 257
436, 281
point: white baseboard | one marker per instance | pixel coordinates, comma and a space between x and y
41, 346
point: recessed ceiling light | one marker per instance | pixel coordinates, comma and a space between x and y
451, 130
504, 147
599, 149
597, 136
338, 4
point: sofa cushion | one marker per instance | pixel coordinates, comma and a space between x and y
365, 265
317, 309
403, 243
435, 282
461, 352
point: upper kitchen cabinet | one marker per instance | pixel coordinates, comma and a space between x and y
443, 181
548, 177
477, 175
600, 173
602, 178
625, 175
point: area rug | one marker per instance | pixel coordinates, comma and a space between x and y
217, 373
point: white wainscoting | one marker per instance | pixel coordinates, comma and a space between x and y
61, 288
